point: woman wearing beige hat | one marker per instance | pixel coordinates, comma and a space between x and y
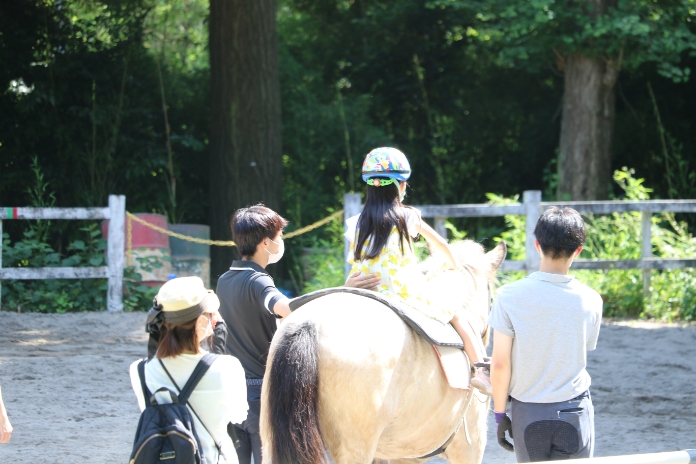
188, 312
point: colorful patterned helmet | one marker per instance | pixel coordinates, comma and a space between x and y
386, 162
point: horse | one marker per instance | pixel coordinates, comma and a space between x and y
347, 381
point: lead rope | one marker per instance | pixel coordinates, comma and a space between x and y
466, 427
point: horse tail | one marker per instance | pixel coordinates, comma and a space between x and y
293, 394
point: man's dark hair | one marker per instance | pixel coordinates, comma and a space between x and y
560, 232
252, 224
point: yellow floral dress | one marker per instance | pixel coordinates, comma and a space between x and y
399, 272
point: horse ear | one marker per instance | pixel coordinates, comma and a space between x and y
497, 255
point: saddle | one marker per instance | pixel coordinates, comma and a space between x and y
433, 331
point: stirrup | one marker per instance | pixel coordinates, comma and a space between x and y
484, 364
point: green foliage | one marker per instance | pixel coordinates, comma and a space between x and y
49, 296
178, 32
62, 295
408, 78
80, 92
630, 32
617, 236
40, 197
514, 236
319, 265
85, 99
681, 180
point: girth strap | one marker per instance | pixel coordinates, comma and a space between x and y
442, 448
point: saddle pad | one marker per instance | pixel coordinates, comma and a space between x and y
433, 331
455, 365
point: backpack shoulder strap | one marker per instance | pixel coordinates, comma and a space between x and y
197, 374
143, 385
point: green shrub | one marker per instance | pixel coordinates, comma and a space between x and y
617, 236
65, 295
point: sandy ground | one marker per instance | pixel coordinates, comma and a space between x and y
65, 383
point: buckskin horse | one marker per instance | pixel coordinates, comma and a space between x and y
348, 381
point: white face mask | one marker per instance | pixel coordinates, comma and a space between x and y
275, 257
205, 336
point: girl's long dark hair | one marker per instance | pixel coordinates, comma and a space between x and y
382, 212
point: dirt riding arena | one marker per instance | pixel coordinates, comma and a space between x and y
65, 383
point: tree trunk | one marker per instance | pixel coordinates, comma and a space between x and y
587, 128
245, 135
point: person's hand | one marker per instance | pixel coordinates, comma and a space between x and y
366, 281
215, 318
504, 424
5, 430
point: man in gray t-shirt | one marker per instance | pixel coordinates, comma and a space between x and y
544, 325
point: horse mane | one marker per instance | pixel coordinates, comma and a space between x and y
448, 288
467, 253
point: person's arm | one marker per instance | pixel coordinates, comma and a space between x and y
235, 390
269, 297
219, 337
436, 242
282, 308
135, 383
5, 426
501, 370
593, 333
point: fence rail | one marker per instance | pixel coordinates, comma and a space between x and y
672, 457
532, 206
113, 271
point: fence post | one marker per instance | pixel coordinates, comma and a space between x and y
352, 205
117, 217
646, 252
0, 261
440, 227
532, 209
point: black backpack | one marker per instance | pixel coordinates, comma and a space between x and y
166, 432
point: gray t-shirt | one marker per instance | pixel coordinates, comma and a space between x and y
553, 320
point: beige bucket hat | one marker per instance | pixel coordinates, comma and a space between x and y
184, 299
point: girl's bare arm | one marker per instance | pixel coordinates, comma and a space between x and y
435, 241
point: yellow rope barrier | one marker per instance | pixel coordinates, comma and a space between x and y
320, 223
203, 241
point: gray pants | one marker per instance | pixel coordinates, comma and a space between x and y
553, 431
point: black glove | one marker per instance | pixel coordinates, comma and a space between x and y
505, 425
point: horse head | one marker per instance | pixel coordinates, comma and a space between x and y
470, 285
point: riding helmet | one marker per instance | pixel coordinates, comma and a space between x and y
386, 162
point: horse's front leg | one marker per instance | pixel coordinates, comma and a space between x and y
469, 450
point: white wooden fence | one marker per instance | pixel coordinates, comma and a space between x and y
113, 271
532, 207
672, 457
